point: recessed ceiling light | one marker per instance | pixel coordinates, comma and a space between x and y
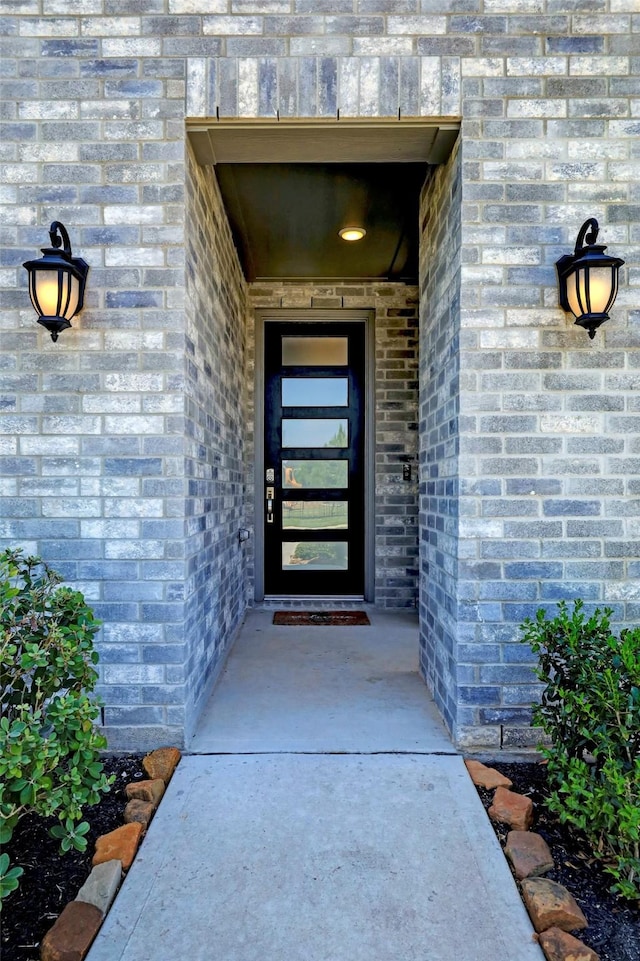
352, 233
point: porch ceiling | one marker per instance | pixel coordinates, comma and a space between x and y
289, 186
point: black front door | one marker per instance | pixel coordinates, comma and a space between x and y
314, 458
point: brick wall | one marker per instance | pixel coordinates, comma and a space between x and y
440, 266
548, 430
94, 472
214, 432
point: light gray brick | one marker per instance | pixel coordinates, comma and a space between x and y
133, 674
131, 47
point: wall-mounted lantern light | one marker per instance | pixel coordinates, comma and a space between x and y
56, 282
588, 279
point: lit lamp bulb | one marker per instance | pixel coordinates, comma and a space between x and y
352, 233
53, 295
598, 294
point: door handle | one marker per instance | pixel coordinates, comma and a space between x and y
270, 498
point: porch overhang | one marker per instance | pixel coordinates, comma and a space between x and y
354, 140
290, 186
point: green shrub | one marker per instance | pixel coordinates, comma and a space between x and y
49, 746
590, 710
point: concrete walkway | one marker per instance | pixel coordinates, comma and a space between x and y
276, 848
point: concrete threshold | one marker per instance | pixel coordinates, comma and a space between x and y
322, 689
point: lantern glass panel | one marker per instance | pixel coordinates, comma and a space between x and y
600, 287
44, 292
576, 293
73, 294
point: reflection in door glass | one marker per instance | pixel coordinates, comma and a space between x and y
315, 556
314, 515
315, 473
321, 351
314, 391
314, 433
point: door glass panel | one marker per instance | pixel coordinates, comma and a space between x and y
315, 473
314, 391
315, 556
319, 351
314, 515
314, 433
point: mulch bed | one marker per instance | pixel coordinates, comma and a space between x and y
614, 924
51, 879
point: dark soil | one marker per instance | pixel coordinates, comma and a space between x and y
614, 924
51, 879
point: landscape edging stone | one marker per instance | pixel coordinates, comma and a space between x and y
549, 944
77, 925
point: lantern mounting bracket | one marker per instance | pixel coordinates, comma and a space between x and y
59, 236
589, 233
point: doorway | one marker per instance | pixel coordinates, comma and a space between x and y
315, 456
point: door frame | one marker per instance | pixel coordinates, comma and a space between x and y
263, 316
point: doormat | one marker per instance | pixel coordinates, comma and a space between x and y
323, 618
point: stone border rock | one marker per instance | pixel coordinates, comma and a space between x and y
71, 936
553, 911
